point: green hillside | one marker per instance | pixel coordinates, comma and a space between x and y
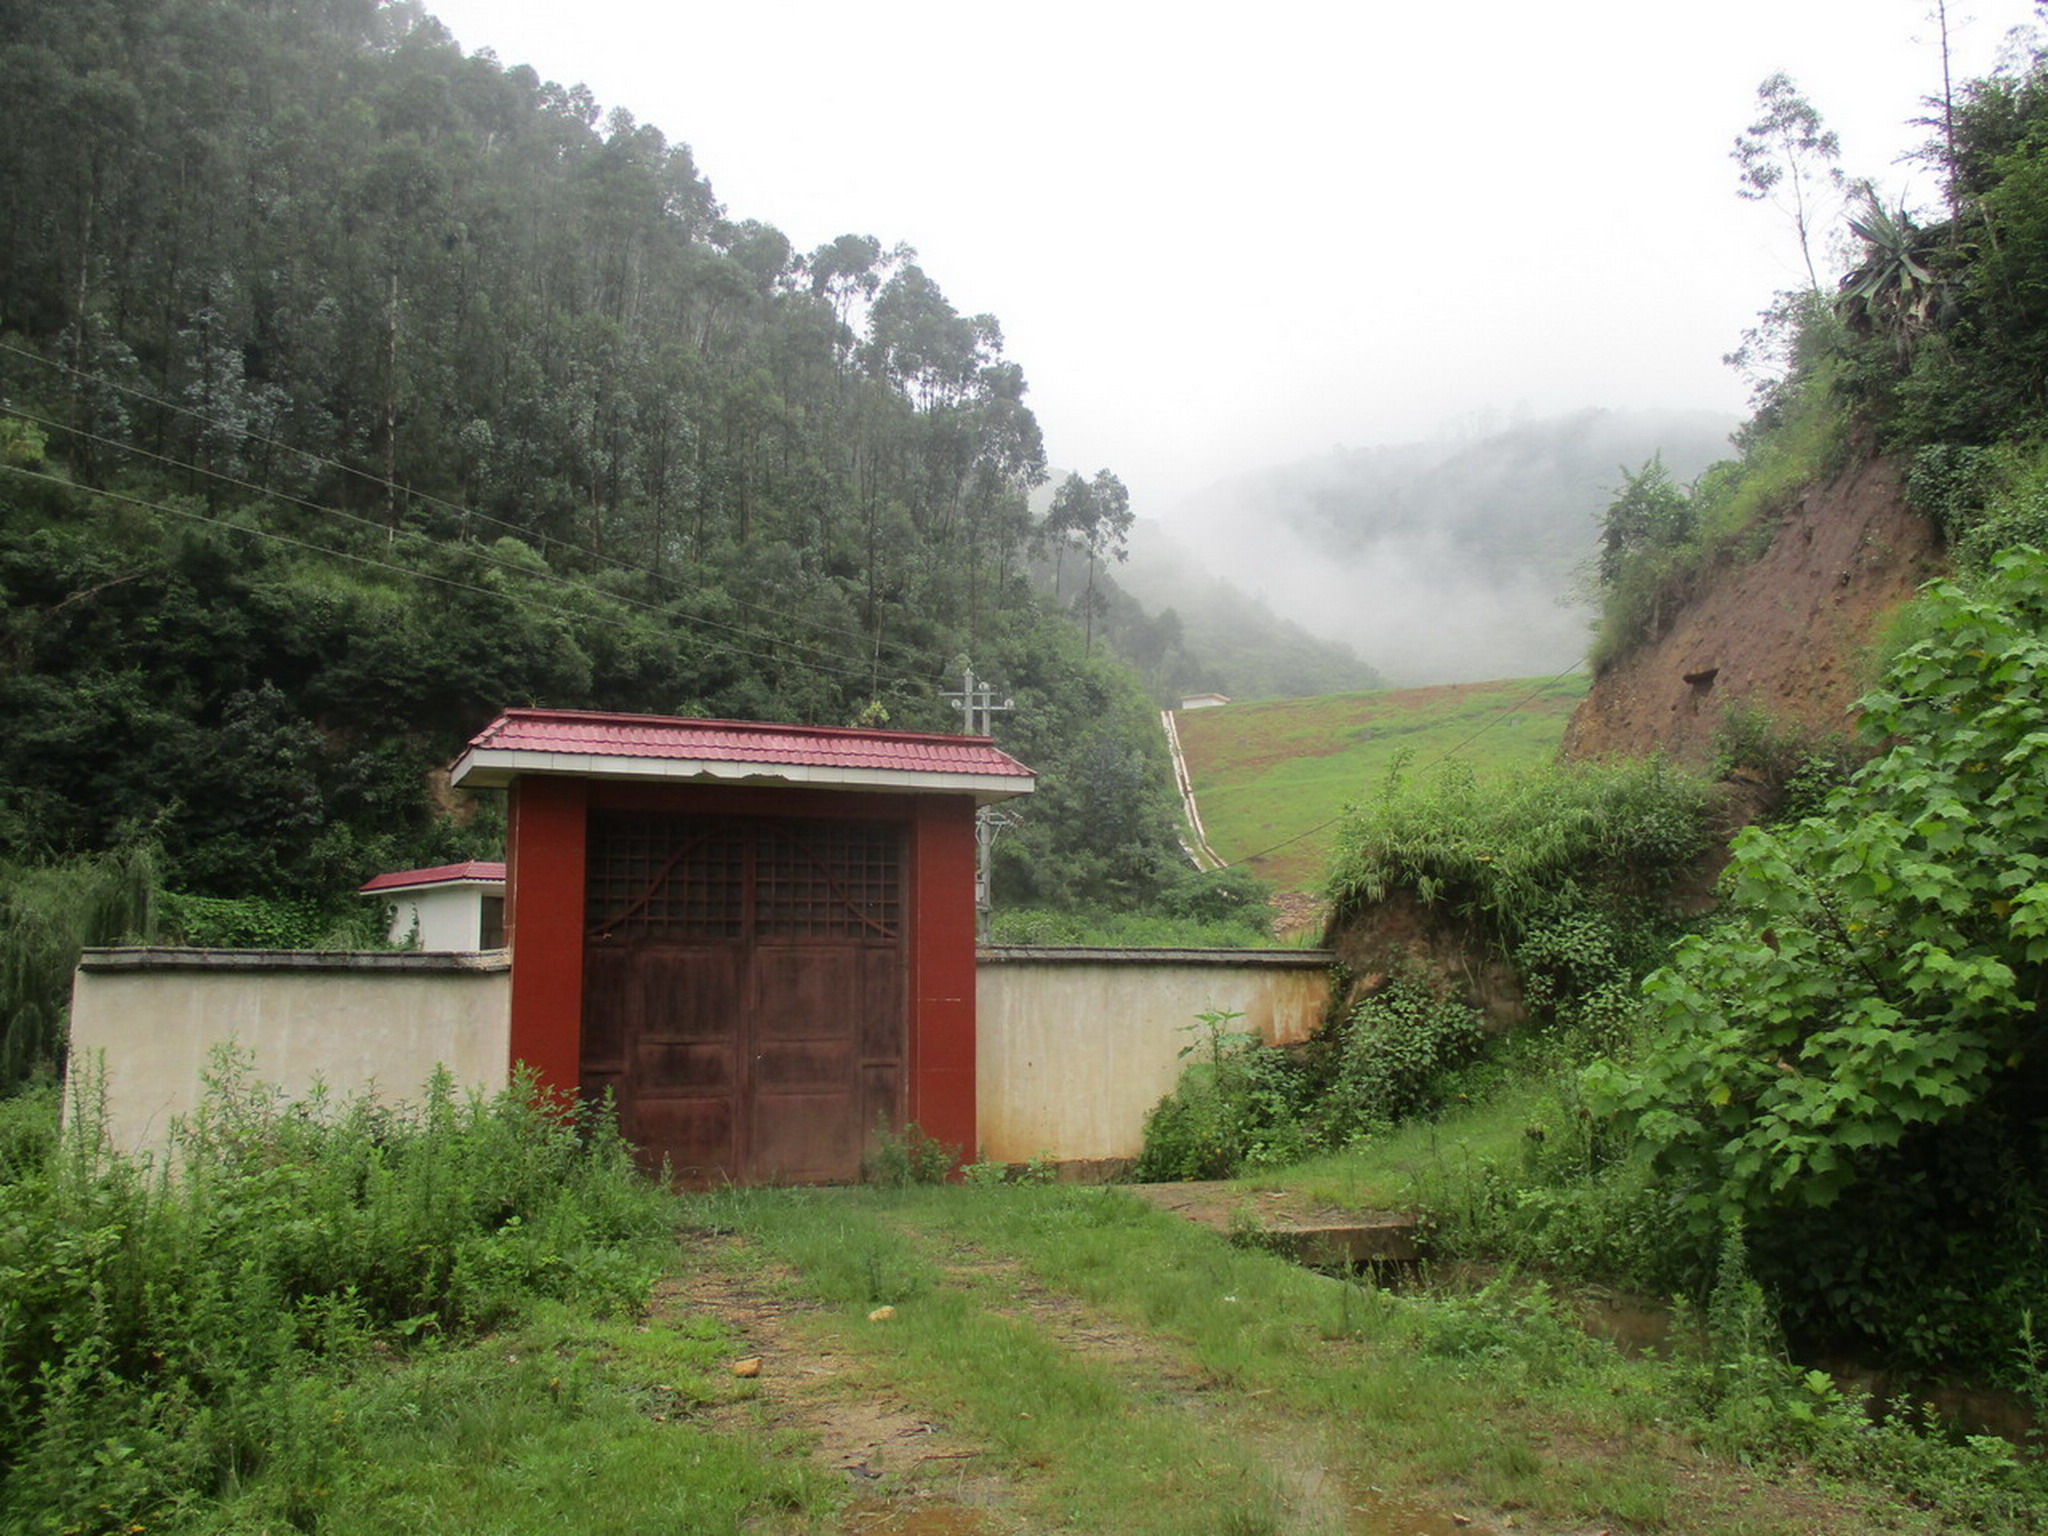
1278, 772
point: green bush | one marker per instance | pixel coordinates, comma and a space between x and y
272, 922
1392, 1055
1501, 856
1849, 1061
1233, 896
165, 1336
1239, 1103
48, 914
899, 1161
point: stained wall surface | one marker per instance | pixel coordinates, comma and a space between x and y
148, 1022
1076, 1045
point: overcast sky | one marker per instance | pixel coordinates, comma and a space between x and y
1219, 238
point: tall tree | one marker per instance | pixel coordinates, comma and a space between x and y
1787, 158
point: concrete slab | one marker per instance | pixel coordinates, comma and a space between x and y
1289, 1223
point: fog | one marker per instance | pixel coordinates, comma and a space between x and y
1459, 559
1220, 238
1224, 239
1412, 612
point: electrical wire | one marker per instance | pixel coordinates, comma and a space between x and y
357, 558
392, 488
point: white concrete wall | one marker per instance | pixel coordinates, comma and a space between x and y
1073, 1047
443, 917
152, 1019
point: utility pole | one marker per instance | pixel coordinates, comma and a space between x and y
977, 706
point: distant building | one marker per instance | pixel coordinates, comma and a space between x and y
1204, 700
448, 907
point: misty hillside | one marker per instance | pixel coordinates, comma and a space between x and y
1436, 562
1216, 638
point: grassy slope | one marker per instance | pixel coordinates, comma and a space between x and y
1280, 769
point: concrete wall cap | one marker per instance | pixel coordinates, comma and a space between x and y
1032, 954
159, 958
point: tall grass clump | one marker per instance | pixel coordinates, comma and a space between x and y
48, 914
173, 1332
1568, 872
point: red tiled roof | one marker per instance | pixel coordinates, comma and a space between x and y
612, 744
440, 874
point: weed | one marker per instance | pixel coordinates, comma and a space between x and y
1041, 1168
169, 1337
911, 1157
1238, 1102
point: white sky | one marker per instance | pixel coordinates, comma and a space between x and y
1224, 237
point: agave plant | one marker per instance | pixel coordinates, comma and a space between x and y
1896, 289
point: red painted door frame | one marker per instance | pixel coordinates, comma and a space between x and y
548, 822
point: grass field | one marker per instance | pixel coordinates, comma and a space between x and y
1271, 777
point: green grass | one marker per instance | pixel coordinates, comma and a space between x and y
1128, 1371
567, 1424
1422, 1164
1272, 775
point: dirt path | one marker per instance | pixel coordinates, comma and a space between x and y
1315, 1497
914, 1474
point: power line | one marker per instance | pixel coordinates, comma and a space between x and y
509, 598
393, 488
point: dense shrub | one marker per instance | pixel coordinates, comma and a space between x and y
164, 1336
1850, 1061
1502, 856
48, 913
1391, 1056
1239, 1103
264, 922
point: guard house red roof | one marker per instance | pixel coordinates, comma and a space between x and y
663, 748
476, 871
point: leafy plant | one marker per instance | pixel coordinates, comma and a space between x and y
262, 922
1498, 856
897, 1160
1392, 1053
1870, 1008
48, 914
169, 1337
1238, 1101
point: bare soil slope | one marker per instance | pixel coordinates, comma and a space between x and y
1785, 634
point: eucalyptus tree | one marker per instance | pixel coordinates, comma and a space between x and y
1787, 158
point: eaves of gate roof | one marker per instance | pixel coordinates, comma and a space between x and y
667, 749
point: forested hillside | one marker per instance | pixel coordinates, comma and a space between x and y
354, 388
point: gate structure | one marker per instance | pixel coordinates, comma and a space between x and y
758, 939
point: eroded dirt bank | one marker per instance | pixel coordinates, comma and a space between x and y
1787, 634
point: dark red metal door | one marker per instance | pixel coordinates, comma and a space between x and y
743, 991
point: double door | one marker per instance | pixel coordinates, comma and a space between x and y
743, 991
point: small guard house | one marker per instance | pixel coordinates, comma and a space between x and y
759, 938
451, 907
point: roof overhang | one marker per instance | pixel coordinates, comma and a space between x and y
497, 767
